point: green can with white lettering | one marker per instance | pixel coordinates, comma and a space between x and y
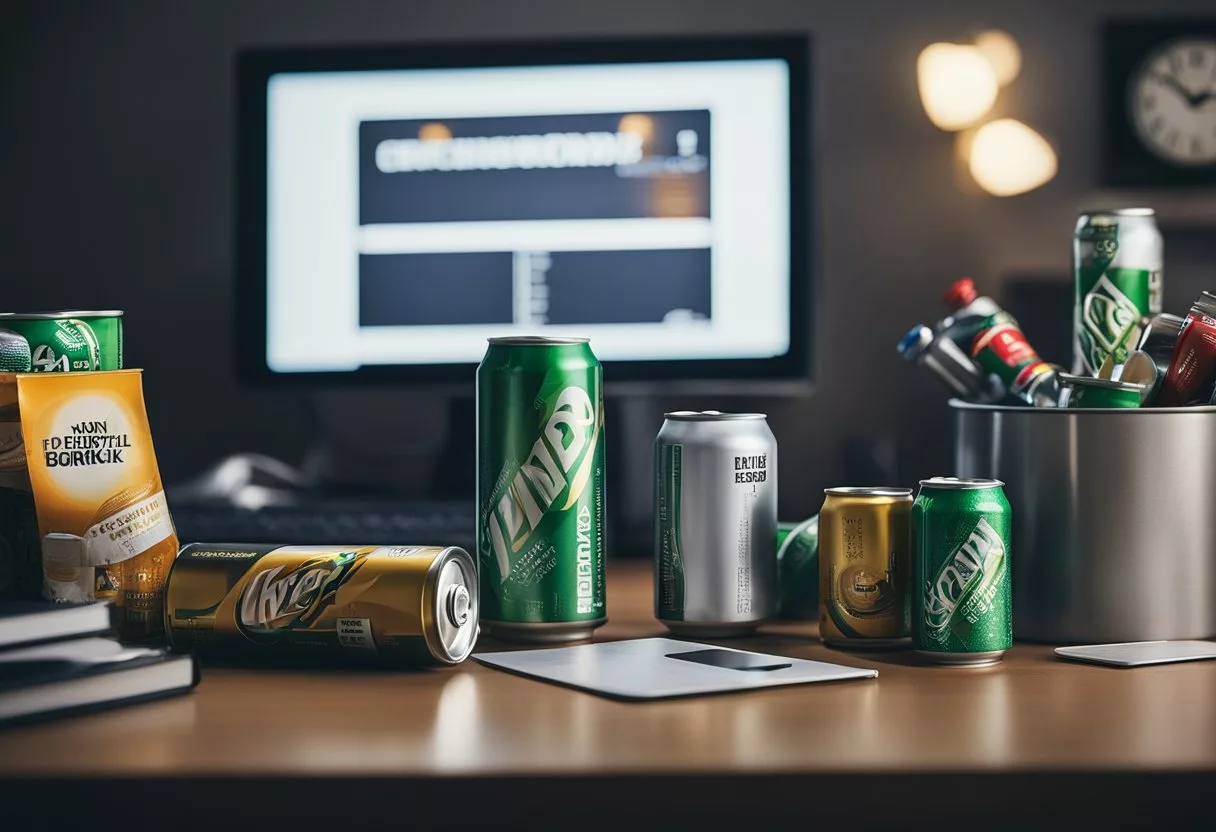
1117, 258
962, 610
540, 489
69, 341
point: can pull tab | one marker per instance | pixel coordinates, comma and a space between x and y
458, 605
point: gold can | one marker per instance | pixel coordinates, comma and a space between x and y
865, 558
386, 604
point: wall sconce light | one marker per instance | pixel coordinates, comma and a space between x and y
958, 85
1002, 51
1009, 158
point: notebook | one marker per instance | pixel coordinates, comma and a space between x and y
87, 674
656, 668
31, 622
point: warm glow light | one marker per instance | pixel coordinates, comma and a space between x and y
1008, 158
957, 84
1002, 52
434, 131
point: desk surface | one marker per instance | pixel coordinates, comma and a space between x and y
1030, 714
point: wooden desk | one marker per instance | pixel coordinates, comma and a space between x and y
947, 745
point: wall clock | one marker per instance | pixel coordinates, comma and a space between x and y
1160, 80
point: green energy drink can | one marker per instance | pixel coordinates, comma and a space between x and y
380, 604
865, 545
798, 570
715, 523
1117, 262
540, 489
961, 601
69, 341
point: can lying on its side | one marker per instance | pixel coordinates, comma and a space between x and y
387, 604
71, 340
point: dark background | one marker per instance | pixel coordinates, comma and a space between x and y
116, 164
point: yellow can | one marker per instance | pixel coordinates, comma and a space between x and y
388, 604
865, 558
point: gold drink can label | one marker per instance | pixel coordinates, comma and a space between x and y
103, 521
392, 604
865, 558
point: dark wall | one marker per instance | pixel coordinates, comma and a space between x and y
116, 164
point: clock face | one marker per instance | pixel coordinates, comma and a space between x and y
1172, 98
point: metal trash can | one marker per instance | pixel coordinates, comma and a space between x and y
1114, 517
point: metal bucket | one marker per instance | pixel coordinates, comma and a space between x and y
1114, 517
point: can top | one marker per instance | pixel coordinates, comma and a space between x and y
960, 483
710, 416
1120, 212
867, 491
62, 313
914, 343
456, 607
538, 340
1106, 384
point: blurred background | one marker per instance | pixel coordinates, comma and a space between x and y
117, 166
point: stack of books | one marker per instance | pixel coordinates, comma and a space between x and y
58, 659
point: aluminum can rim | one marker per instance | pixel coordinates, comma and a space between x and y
1118, 212
867, 491
539, 340
60, 314
710, 416
961, 483
1099, 383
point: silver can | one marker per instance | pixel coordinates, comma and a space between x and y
715, 523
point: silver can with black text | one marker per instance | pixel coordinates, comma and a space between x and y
715, 523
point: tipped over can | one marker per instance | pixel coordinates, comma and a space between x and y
383, 604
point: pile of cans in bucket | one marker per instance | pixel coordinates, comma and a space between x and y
1127, 353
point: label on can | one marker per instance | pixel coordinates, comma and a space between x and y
70, 344
670, 588
965, 587
1003, 350
1113, 302
542, 520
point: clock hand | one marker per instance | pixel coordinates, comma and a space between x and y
1171, 81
